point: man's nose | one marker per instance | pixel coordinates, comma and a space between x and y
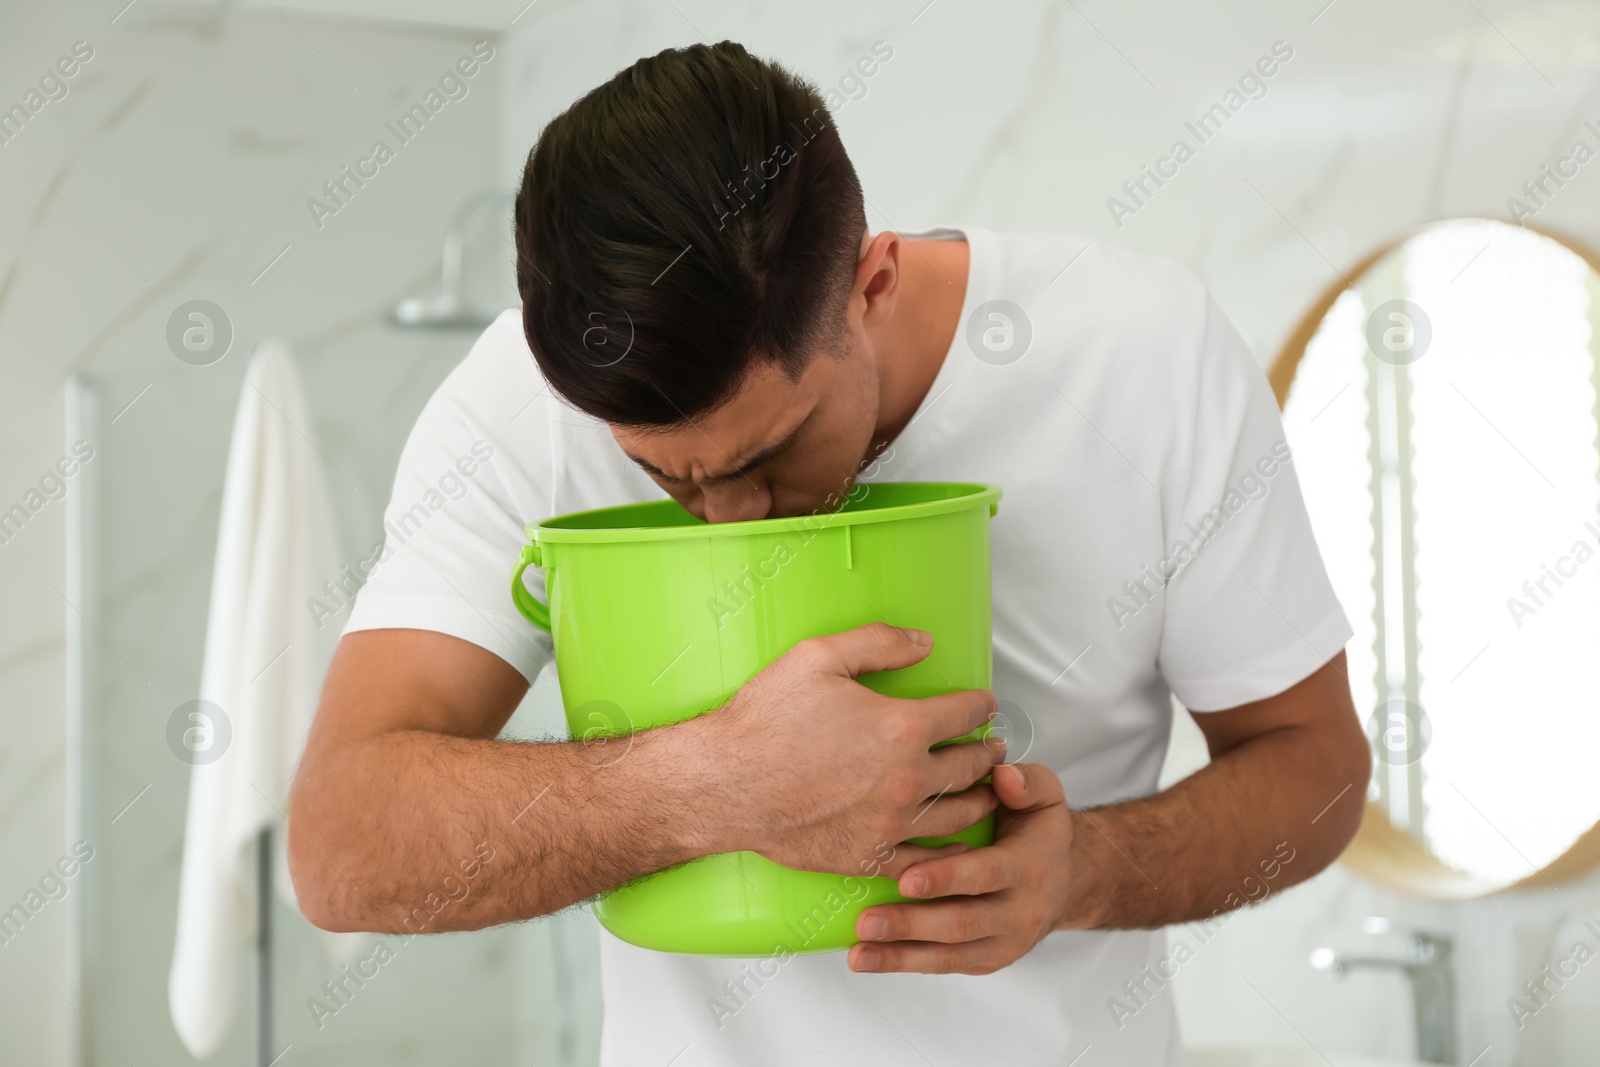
739, 500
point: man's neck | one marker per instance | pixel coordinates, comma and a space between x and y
933, 286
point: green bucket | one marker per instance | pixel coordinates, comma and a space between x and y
658, 616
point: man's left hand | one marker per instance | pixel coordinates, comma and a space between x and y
1001, 900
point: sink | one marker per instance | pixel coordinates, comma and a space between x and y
1287, 1056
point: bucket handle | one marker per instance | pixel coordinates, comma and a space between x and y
526, 602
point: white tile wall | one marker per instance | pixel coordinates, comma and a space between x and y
179, 164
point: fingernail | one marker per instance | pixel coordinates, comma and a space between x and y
867, 959
920, 638
914, 885
874, 927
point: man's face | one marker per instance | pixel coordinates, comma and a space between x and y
779, 448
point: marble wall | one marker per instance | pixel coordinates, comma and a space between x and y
178, 165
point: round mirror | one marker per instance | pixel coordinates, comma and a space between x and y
1440, 402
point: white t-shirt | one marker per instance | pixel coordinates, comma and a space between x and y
1123, 416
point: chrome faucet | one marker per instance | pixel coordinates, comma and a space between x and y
1430, 968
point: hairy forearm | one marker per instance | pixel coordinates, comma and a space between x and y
413, 829
1264, 816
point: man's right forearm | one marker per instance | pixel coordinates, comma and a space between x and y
411, 826
407, 810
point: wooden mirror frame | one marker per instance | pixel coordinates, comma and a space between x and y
1381, 852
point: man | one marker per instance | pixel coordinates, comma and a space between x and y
705, 316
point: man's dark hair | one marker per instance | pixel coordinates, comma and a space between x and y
698, 213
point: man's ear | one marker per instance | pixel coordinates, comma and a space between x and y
867, 271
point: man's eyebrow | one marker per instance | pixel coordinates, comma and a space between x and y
649, 468
756, 460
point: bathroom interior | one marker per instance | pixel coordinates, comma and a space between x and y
1400, 219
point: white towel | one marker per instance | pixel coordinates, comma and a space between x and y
264, 662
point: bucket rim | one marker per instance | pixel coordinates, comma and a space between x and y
977, 494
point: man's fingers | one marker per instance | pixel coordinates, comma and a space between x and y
1027, 786
960, 765
874, 647
947, 814
984, 956
982, 870
946, 716
893, 863
952, 921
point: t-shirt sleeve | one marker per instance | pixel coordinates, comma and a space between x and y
1250, 610
453, 530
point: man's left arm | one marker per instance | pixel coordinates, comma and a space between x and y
1282, 796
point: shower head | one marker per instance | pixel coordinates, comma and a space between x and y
442, 312
447, 311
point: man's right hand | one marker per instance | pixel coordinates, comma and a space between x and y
822, 773
404, 778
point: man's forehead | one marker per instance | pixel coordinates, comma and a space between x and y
761, 420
